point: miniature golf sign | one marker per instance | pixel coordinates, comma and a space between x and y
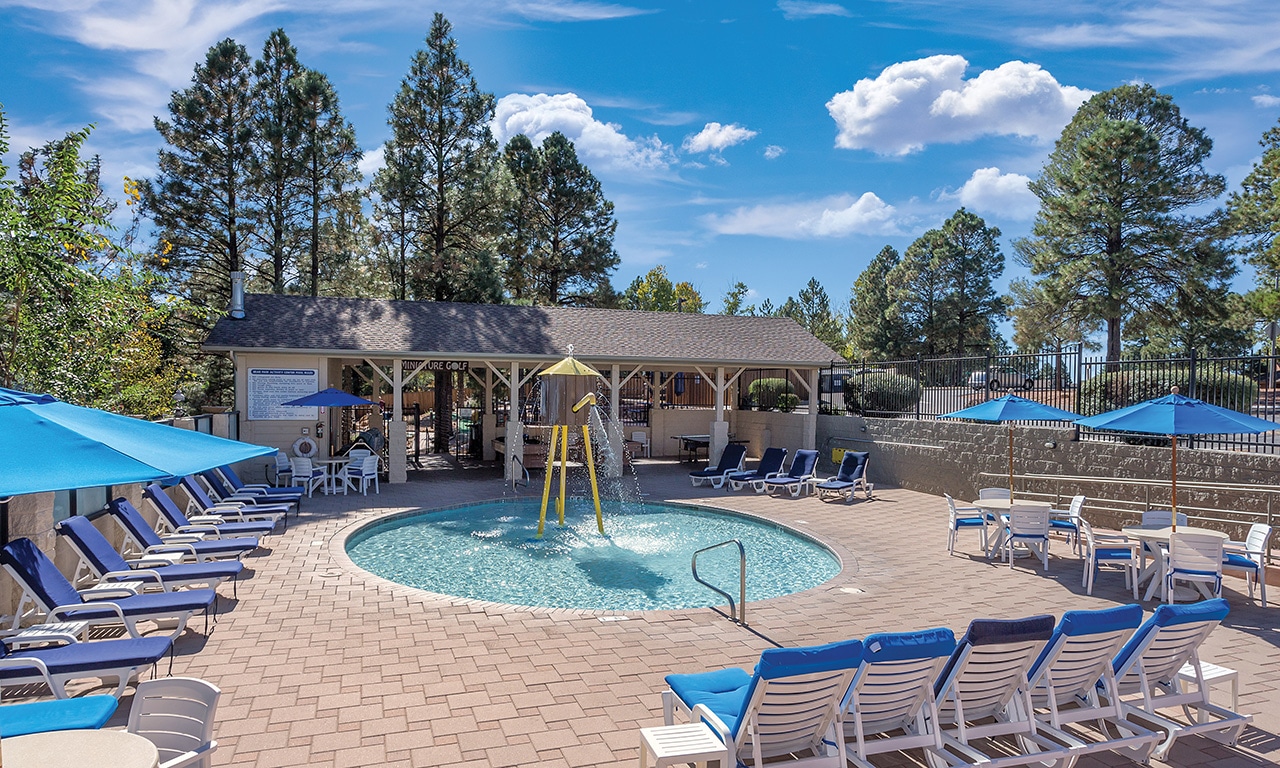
268, 388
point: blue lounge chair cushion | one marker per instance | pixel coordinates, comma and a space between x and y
192, 486
786, 480
996, 632
730, 459
1236, 560
835, 485
284, 490
853, 465
901, 646
721, 691
789, 662
146, 604
224, 489
1169, 616
132, 519
85, 713
770, 463
1081, 623
246, 528
43, 577
1113, 553
106, 559
90, 657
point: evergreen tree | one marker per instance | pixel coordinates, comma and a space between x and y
1113, 237
329, 157
559, 244
276, 163
442, 165
654, 292
874, 330
393, 222
197, 200
733, 301
1254, 213
919, 294
812, 309
970, 261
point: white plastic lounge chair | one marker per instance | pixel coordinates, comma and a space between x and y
851, 476
1195, 558
308, 475
360, 472
984, 675
730, 463
170, 519
1028, 528
85, 713
55, 666
1071, 671
100, 562
1250, 556
892, 693
797, 479
176, 714
956, 522
770, 466
1108, 549
1146, 671
240, 508
50, 595
789, 705
141, 540
219, 491
1067, 522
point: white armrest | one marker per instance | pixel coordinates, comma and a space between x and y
180, 538
32, 661
206, 519
132, 576
702, 713
158, 559
205, 531
172, 547
62, 610
102, 590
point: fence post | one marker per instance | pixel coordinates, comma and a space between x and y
919, 385
987, 382
1191, 375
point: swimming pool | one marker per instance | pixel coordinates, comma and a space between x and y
488, 551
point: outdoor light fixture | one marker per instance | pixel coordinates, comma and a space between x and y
1050, 445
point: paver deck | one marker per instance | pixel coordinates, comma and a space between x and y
322, 664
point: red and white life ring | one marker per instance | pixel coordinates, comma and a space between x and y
305, 447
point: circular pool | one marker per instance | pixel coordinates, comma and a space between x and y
490, 552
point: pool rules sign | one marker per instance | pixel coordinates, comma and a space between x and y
269, 387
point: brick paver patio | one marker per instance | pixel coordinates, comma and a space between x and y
322, 664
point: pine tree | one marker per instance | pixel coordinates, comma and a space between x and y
873, 328
969, 264
812, 309
559, 243
734, 299
1254, 212
276, 164
1113, 237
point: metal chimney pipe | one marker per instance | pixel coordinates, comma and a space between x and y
237, 295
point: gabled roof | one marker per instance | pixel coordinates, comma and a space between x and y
428, 329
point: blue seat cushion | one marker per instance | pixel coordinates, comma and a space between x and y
1235, 560
835, 485
225, 546
969, 522
782, 481
222, 569
1113, 553
722, 691
91, 657
713, 472
1083, 623
903, 646
1214, 610
1064, 525
87, 712
246, 528
746, 476
149, 604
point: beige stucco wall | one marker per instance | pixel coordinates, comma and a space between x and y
280, 434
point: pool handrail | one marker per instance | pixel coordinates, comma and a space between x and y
738, 616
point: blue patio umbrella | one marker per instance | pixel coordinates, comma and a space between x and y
53, 446
1011, 408
330, 398
1175, 415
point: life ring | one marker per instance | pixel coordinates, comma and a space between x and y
305, 447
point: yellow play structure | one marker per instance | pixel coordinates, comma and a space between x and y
560, 446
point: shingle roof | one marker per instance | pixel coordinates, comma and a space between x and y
494, 331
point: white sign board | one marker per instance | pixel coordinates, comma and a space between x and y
269, 387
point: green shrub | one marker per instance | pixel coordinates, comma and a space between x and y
882, 394
788, 402
1118, 389
764, 393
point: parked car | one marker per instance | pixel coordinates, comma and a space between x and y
1002, 377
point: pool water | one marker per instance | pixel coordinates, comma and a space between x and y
489, 552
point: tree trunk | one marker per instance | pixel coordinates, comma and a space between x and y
1113, 340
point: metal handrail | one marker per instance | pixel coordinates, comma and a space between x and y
740, 614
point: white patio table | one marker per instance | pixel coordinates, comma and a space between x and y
1000, 508
1157, 537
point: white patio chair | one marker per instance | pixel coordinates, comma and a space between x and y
1162, 517
994, 493
1195, 558
176, 714
642, 438
1067, 521
1250, 556
360, 472
1028, 528
1109, 549
308, 475
283, 469
956, 522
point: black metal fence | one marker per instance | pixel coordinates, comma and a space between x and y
928, 387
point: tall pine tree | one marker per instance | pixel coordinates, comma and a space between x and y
874, 329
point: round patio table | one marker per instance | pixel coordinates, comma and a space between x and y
1158, 536
331, 469
71, 749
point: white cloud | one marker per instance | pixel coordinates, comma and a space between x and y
800, 9
601, 145
915, 103
1266, 101
715, 137
551, 10
700, 265
773, 152
838, 216
991, 192
372, 161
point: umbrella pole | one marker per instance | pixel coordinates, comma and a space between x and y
1010, 462
1174, 484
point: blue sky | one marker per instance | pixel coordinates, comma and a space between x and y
767, 142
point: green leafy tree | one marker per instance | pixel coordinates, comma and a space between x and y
1114, 237
442, 164
654, 292
559, 239
276, 163
734, 301
874, 329
811, 308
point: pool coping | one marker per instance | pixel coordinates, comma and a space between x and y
337, 546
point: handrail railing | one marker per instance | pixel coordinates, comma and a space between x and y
740, 614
